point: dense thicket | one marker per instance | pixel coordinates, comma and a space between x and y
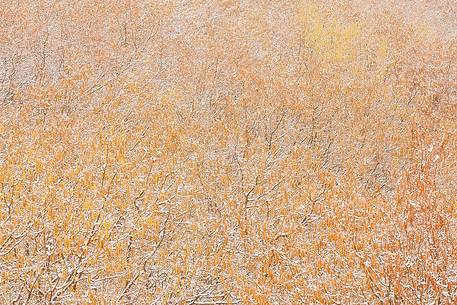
228, 152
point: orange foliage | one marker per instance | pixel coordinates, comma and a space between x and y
228, 152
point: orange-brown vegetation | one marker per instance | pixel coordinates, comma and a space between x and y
228, 152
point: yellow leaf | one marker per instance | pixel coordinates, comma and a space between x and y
51, 179
39, 166
88, 205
